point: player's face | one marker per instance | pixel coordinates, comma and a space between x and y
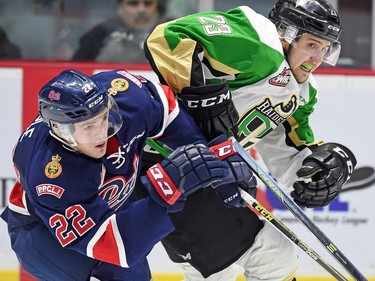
306, 55
92, 135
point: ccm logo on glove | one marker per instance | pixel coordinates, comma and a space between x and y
163, 184
223, 150
209, 102
349, 163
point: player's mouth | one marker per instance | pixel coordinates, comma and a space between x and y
101, 145
307, 67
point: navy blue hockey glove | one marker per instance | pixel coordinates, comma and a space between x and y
184, 171
323, 173
212, 108
245, 179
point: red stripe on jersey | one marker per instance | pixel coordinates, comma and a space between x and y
170, 97
16, 195
106, 248
112, 145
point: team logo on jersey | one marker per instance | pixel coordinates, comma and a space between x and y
263, 118
49, 189
118, 85
53, 169
117, 189
52, 95
282, 79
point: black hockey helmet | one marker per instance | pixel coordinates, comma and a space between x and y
316, 17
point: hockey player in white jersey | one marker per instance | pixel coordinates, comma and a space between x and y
267, 63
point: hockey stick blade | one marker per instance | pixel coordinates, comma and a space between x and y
290, 235
361, 178
297, 212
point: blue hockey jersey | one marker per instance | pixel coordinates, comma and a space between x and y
88, 204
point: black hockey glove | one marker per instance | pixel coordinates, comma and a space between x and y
184, 171
212, 108
323, 172
245, 179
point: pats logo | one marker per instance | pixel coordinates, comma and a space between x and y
52, 95
116, 190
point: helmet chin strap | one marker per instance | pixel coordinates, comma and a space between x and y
287, 52
68, 146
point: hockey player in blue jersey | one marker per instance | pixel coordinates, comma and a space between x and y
72, 213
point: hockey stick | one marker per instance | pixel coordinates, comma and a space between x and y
270, 218
361, 178
297, 212
289, 234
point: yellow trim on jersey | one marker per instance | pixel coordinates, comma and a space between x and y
220, 66
174, 65
293, 135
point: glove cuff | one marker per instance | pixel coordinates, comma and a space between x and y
223, 150
208, 91
344, 154
348, 152
163, 184
215, 97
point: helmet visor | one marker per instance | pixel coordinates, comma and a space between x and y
95, 130
320, 49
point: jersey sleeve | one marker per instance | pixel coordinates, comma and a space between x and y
203, 47
152, 106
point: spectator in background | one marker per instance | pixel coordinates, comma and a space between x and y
121, 39
8, 50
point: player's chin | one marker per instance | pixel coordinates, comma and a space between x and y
98, 155
301, 75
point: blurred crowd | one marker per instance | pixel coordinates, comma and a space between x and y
114, 30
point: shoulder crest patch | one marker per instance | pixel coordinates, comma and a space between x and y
118, 85
53, 169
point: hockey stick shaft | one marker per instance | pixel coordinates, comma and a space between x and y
289, 234
297, 212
